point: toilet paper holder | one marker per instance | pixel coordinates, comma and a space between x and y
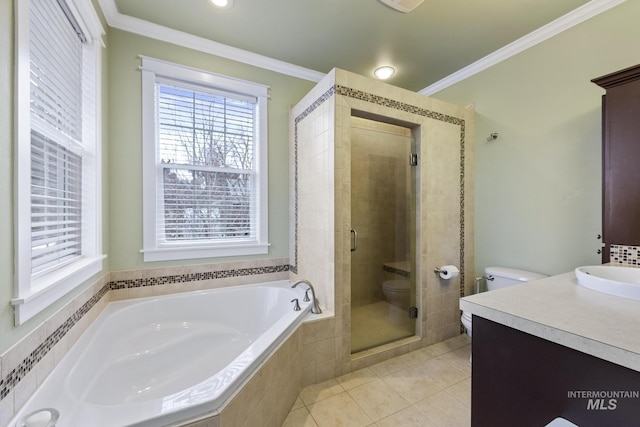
447, 271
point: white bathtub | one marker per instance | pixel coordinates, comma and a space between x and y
161, 360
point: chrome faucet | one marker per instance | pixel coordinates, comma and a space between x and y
315, 308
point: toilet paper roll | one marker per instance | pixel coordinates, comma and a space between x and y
449, 272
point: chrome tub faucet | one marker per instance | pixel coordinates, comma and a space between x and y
315, 307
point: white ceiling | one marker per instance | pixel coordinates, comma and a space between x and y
441, 39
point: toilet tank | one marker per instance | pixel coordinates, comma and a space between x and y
500, 277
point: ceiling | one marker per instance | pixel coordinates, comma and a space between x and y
437, 39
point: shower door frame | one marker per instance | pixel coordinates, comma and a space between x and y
414, 241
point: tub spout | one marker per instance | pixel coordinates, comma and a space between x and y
315, 307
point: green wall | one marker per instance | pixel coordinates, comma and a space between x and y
125, 145
538, 186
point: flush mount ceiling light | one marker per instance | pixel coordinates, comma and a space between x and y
404, 6
383, 73
221, 4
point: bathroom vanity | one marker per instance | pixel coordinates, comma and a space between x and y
551, 348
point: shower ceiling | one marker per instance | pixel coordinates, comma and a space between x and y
437, 39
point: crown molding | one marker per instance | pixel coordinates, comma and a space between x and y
148, 29
571, 19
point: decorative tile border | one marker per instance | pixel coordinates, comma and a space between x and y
19, 372
625, 254
8, 383
397, 271
397, 105
196, 277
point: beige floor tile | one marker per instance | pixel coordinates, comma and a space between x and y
378, 399
459, 358
299, 418
297, 404
357, 378
408, 417
461, 391
416, 357
436, 379
339, 411
442, 372
320, 391
412, 385
388, 366
444, 410
451, 344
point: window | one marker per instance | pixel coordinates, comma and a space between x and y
58, 224
204, 164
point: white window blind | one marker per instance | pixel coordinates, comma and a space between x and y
56, 60
206, 146
58, 222
56, 205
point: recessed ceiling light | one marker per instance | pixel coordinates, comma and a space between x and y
383, 73
221, 4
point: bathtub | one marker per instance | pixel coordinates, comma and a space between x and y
170, 359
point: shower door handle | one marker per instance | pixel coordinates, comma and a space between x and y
354, 240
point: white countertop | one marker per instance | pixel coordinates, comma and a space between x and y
559, 310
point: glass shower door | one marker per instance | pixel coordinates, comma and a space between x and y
383, 218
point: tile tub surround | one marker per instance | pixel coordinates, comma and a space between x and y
557, 309
25, 365
320, 188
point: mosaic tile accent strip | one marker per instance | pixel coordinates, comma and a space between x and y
397, 271
629, 255
196, 277
397, 105
19, 372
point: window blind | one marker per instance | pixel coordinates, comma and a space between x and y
206, 143
56, 210
56, 59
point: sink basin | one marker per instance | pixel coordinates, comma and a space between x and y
609, 279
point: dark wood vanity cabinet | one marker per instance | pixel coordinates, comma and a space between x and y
620, 158
518, 379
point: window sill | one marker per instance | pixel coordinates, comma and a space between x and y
53, 286
193, 252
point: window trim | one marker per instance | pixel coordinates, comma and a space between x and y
33, 294
153, 69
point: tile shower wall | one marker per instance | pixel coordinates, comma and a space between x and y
27, 364
445, 233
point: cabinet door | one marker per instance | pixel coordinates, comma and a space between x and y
621, 159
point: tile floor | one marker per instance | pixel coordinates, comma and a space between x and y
430, 387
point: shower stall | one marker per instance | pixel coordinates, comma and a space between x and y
383, 233
368, 228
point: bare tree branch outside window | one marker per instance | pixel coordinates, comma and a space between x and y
206, 155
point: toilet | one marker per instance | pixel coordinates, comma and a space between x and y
397, 293
501, 277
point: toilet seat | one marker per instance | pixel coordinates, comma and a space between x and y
397, 285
